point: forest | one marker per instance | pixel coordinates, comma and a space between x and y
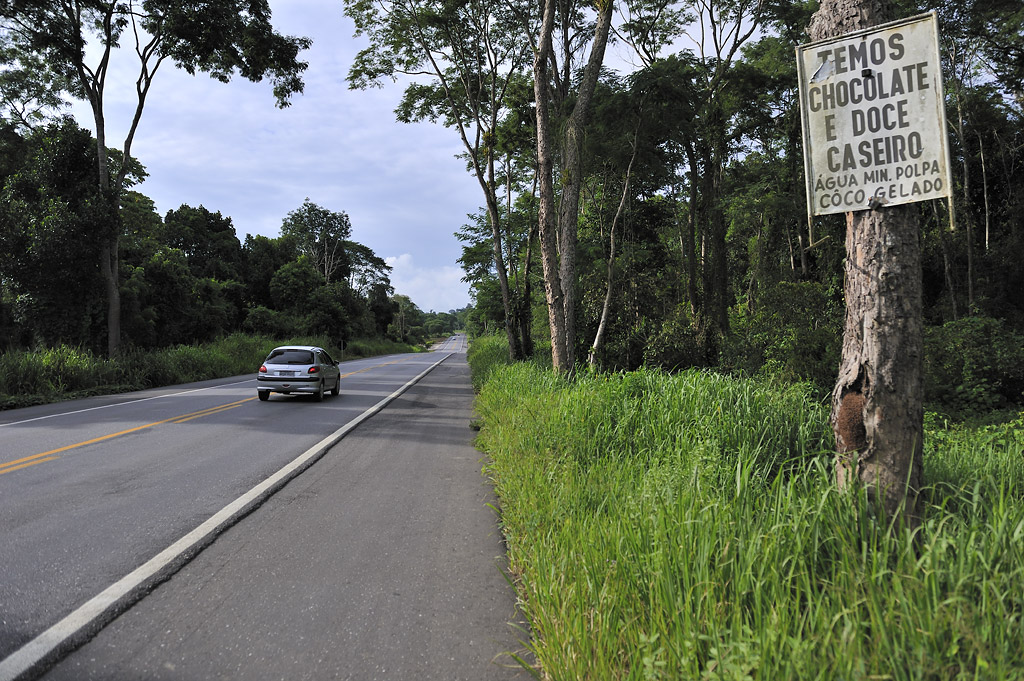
662, 205
676, 512
186, 278
87, 262
679, 213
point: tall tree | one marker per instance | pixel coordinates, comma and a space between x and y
724, 27
50, 214
602, 325
472, 52
207, 239
262, 257
220, 37
368, 272
320, 234
877, 412
558, 222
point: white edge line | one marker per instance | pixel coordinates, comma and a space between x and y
154, 397
114, 600
121, 404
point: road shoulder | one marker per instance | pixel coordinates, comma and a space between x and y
383, 560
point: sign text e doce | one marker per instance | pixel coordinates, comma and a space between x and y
874, 124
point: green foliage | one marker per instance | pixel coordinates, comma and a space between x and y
52, 217
262, 258
66, 372
207, 239
168, 305
646, 325
974, 364
30, 92
372, 347
264, 321
485, 354
651, 537
959, 455
226, 37
320, 235
335, 311
715, 423
183, 280
292, 286
220, 38
57, 370
795, 332
676, 345
407, 322
141, 228
368, 272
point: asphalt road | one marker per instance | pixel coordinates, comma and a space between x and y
380, 559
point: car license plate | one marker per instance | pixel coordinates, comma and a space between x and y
285, 373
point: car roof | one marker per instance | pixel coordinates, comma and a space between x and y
298, 347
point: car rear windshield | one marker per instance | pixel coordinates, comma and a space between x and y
290, 356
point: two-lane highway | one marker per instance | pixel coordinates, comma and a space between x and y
456, 343
91, 491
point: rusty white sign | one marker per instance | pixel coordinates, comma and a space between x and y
874, 124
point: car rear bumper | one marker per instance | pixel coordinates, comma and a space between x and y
285, 384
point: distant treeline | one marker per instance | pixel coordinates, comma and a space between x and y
185, 277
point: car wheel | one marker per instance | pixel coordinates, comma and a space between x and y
264, 395
337, 387
319, 395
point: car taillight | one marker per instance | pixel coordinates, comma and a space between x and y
263, 369
313, 370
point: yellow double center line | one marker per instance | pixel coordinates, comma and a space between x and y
27, 461
11, 466
375, 366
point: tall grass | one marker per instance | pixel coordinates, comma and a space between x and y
373, 347
49, 375
485, 353
688, 527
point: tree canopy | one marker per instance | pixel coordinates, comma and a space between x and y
675, 204
72, 42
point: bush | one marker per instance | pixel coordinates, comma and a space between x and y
264, 321
372, 347
795, 332
676, 346
973, 365
64, 372
485, 353
62, 369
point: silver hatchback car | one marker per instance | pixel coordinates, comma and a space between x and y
298, 369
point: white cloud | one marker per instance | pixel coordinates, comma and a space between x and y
431, 288
228, 148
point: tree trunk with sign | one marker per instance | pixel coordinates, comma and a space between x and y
877, 412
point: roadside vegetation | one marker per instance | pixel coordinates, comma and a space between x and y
688, 526
65, 372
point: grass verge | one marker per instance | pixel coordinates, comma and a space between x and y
688, 527
61, 373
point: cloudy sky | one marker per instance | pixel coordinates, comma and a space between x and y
227, 147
